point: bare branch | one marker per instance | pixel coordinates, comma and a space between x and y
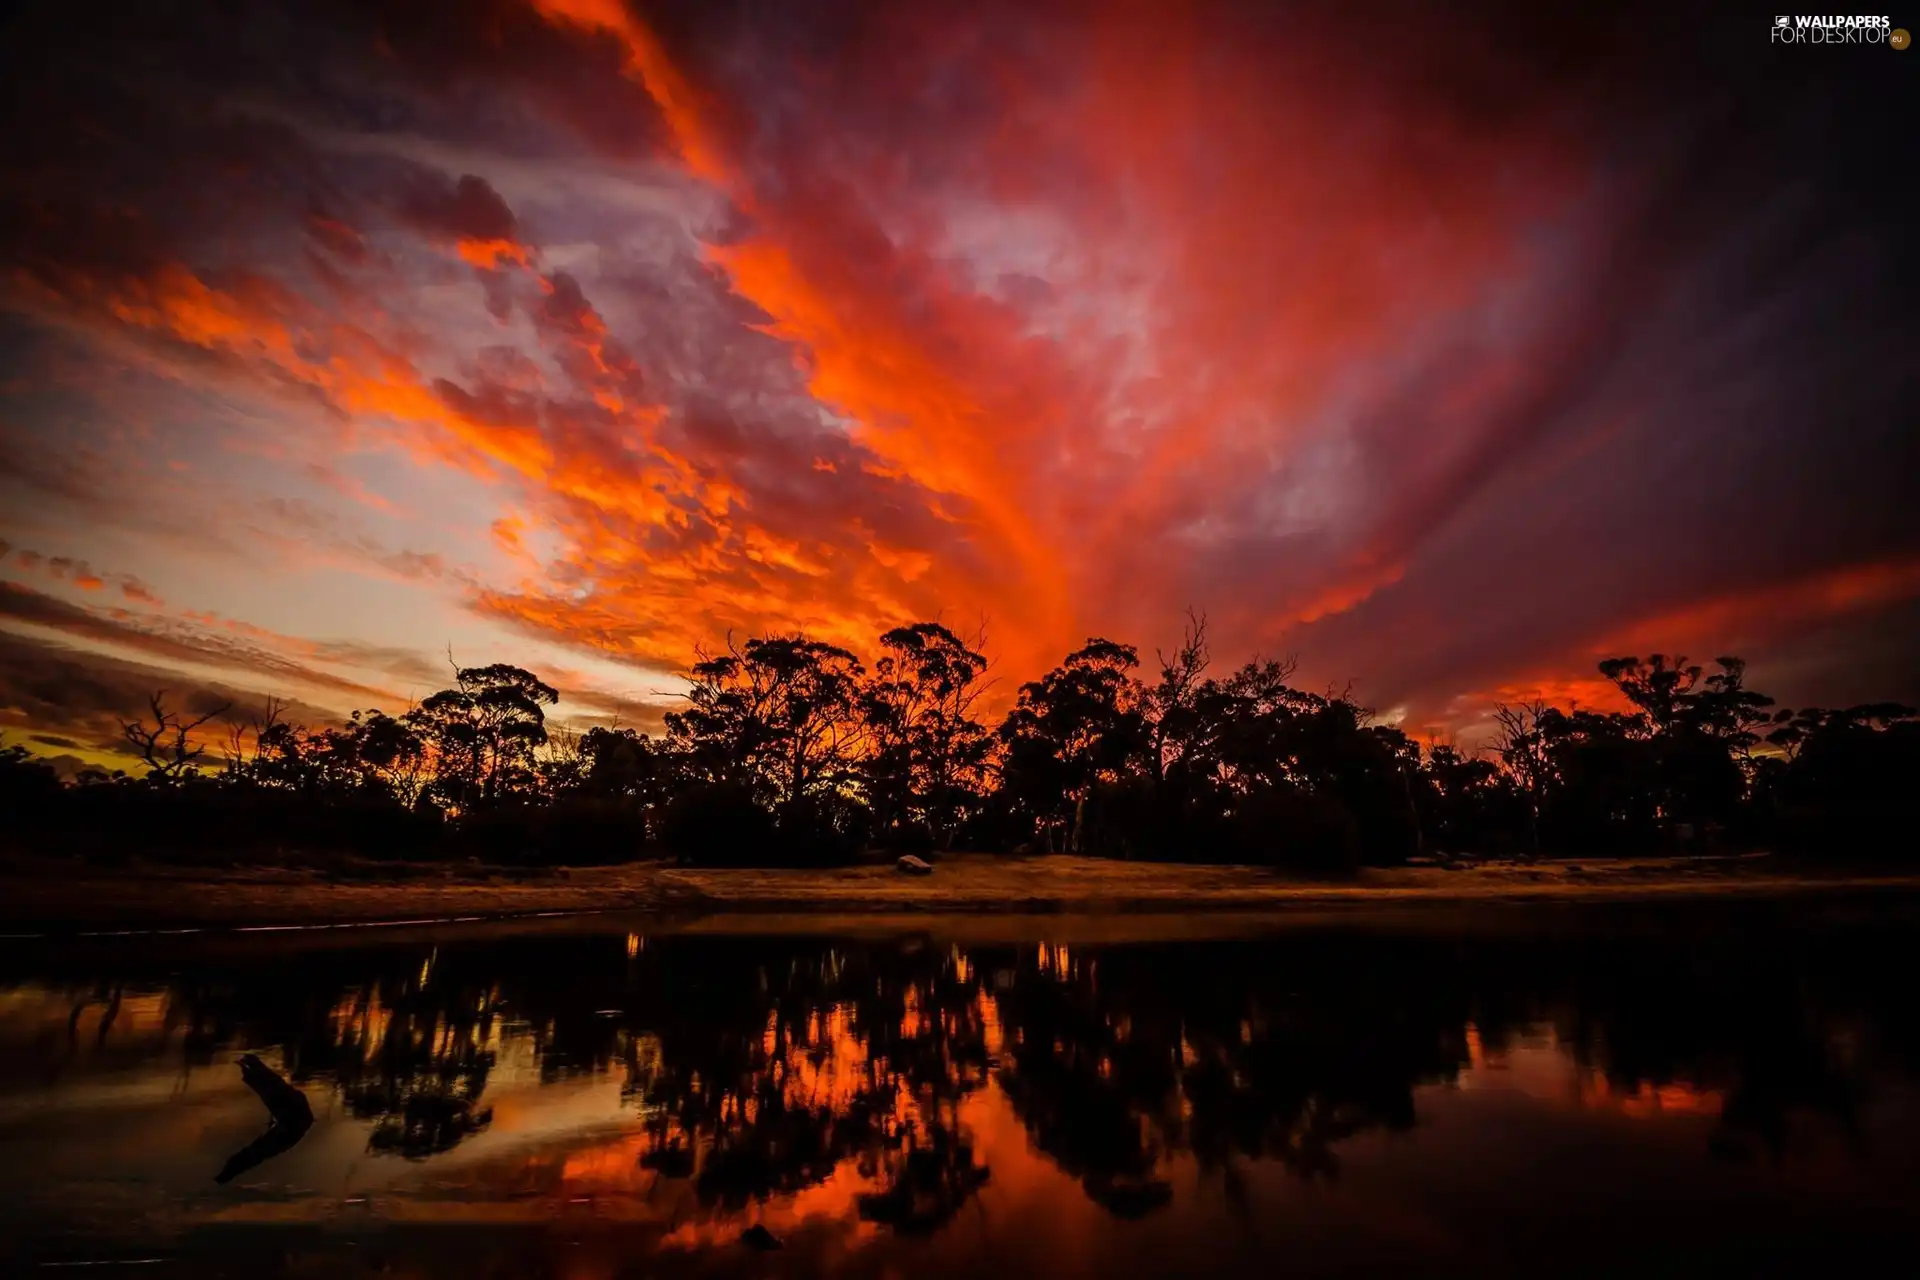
166, 746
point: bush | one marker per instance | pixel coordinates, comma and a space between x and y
207, 822
1847, 795
1287, 827
27, 786
822, 831
1124, 820
1294, 830
576, 831
719, 825
722, 825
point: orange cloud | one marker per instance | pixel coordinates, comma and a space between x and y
598, 492
491, 255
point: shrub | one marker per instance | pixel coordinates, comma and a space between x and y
1124, 820
576, 831
718, 825
821, 831
1295, 830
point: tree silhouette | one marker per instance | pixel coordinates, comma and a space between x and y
165, 746
1522, 748
1840, 783
1661, 687
790, 751
927, 755
778, 715
1076, 725
483, 731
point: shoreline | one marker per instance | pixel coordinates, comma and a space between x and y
66, 900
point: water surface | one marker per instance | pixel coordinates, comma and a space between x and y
1619, 1091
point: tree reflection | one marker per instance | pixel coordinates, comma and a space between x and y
416, 1067
1774, 1027
785, 1065
761, 1068
1122, 1061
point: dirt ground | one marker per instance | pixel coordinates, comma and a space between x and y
51, 897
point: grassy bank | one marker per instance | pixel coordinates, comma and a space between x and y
42, 896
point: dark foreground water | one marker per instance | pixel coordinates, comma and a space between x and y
1600, 1094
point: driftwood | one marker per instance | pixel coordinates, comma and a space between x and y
289, 1116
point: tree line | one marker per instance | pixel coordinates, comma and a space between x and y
790, 750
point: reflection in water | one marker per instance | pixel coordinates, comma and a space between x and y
890, 1086
416, 1065
289, 1116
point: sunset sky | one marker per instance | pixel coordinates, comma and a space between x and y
1449, 354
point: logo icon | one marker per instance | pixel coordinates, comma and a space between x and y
1899, 39
1781, 21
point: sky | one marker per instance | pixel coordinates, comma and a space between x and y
343, 341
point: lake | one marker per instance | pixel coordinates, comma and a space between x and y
1579, 1093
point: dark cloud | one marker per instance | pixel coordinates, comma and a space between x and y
466, 209
162, 639
76, 700
408, 666
492, 71
27, 462
85, 697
